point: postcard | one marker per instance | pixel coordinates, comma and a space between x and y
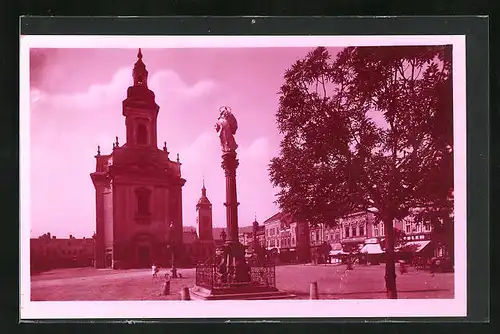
242, 176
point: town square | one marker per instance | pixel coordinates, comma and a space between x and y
335, 183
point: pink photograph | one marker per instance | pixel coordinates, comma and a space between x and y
169, 177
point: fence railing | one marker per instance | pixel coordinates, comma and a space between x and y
209, 276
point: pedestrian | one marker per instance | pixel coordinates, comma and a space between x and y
433, 266
402, 267
154, 271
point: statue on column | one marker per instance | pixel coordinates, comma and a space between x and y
226, 127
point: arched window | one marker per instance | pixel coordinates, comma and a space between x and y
143, 198
142, 134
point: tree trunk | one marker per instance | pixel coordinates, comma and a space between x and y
390, 265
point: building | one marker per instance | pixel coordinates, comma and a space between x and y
356, 232
357, 227
48, 252
260, 234
287, 238
421, 238
138, 189
245, 238
197, 251
272, 231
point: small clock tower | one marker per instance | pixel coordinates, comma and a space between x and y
204, 217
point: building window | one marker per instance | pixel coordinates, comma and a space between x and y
143, 198
142, 134
408, 228
337, 237
347, 232
361, 230
353, 231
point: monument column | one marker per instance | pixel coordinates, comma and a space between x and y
238, 270
229, 164
229, 276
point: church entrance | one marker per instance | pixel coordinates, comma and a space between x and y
108, 259
144, 256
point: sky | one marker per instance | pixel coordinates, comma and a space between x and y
76, 97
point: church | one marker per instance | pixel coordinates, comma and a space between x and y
138, 189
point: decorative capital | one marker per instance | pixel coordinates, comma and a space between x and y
229, 163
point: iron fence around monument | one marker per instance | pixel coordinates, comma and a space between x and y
205, 275
208, 276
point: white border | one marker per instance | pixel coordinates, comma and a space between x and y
246, 309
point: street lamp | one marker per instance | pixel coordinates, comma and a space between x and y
174, 269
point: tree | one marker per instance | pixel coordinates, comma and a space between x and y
369, 130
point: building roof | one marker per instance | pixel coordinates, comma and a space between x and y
273, 218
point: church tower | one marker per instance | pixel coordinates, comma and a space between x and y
138, 188
140, 110
204, 217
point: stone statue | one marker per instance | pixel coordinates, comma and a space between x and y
226, 128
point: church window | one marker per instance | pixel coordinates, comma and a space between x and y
142, 134
143, 197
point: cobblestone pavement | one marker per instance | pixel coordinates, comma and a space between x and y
334, 282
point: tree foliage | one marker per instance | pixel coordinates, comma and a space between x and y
369, 129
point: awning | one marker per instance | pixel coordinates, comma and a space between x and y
371, 249
351, 241
414, 246
337, 252
336, 246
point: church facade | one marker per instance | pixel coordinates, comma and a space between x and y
138, 189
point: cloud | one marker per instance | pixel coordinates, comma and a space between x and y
170, 81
